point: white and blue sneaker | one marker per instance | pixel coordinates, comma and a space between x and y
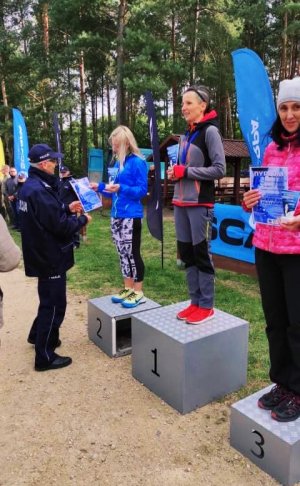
122, 295
133, 300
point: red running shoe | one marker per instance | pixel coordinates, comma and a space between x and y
182, 315
200, 315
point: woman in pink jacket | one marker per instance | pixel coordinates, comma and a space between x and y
277, 256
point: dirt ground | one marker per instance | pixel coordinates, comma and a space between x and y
92, 423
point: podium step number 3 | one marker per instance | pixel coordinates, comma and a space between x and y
273, 446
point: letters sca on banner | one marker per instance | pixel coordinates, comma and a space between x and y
21, 148
232, 234
255, 102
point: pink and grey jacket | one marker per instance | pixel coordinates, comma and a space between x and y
274, 238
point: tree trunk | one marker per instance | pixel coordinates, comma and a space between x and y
193, 53
120, 115
283, 60
174, 82
45, 24
109, 120
229, 126
294, 68
94, 118
83, 141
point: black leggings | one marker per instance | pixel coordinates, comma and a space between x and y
279, 278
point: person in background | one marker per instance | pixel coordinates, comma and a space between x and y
127, 190
21, 179
5, 202
10, 191
201, 161
277, 258
67, 194
10, 255
47, 230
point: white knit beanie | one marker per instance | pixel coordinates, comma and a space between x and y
289, 90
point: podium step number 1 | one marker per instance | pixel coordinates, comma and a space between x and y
189, 366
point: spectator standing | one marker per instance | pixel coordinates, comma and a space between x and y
11, 185
47, 229
5, 202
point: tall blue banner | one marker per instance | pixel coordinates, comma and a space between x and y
154, 206
56, 129
255, 102
21, 148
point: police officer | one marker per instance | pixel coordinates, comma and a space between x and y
47, 229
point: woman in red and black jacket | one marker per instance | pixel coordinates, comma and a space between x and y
201, 162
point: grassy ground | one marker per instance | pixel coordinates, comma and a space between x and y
97, 273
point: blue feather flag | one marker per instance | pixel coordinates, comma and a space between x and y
154, 205
21, 149
255, 102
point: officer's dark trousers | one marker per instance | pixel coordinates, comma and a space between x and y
51, 313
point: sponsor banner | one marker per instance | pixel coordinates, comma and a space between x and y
21, 161
255, 102
232, 233
154, 206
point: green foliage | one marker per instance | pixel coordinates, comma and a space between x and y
167, 44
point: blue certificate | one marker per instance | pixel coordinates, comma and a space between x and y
271, 182
88, 198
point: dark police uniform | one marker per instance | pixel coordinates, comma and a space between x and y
47, 229
67, 195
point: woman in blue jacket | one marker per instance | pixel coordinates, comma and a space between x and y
127, 189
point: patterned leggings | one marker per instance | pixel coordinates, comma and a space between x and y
126, 235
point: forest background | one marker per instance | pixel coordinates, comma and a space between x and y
91, 61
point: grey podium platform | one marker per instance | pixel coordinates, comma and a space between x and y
109, 324
189, 366
272, 446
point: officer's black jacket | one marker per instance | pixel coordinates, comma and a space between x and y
66, 191
47, 227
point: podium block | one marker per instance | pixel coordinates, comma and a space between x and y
109, 324
188, 366
272, 446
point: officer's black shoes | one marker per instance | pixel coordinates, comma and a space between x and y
31, 341
59, 362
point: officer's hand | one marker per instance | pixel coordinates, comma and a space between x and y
89, 217
75, 207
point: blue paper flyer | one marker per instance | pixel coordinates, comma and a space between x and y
271, 182
291, 203
88, 198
